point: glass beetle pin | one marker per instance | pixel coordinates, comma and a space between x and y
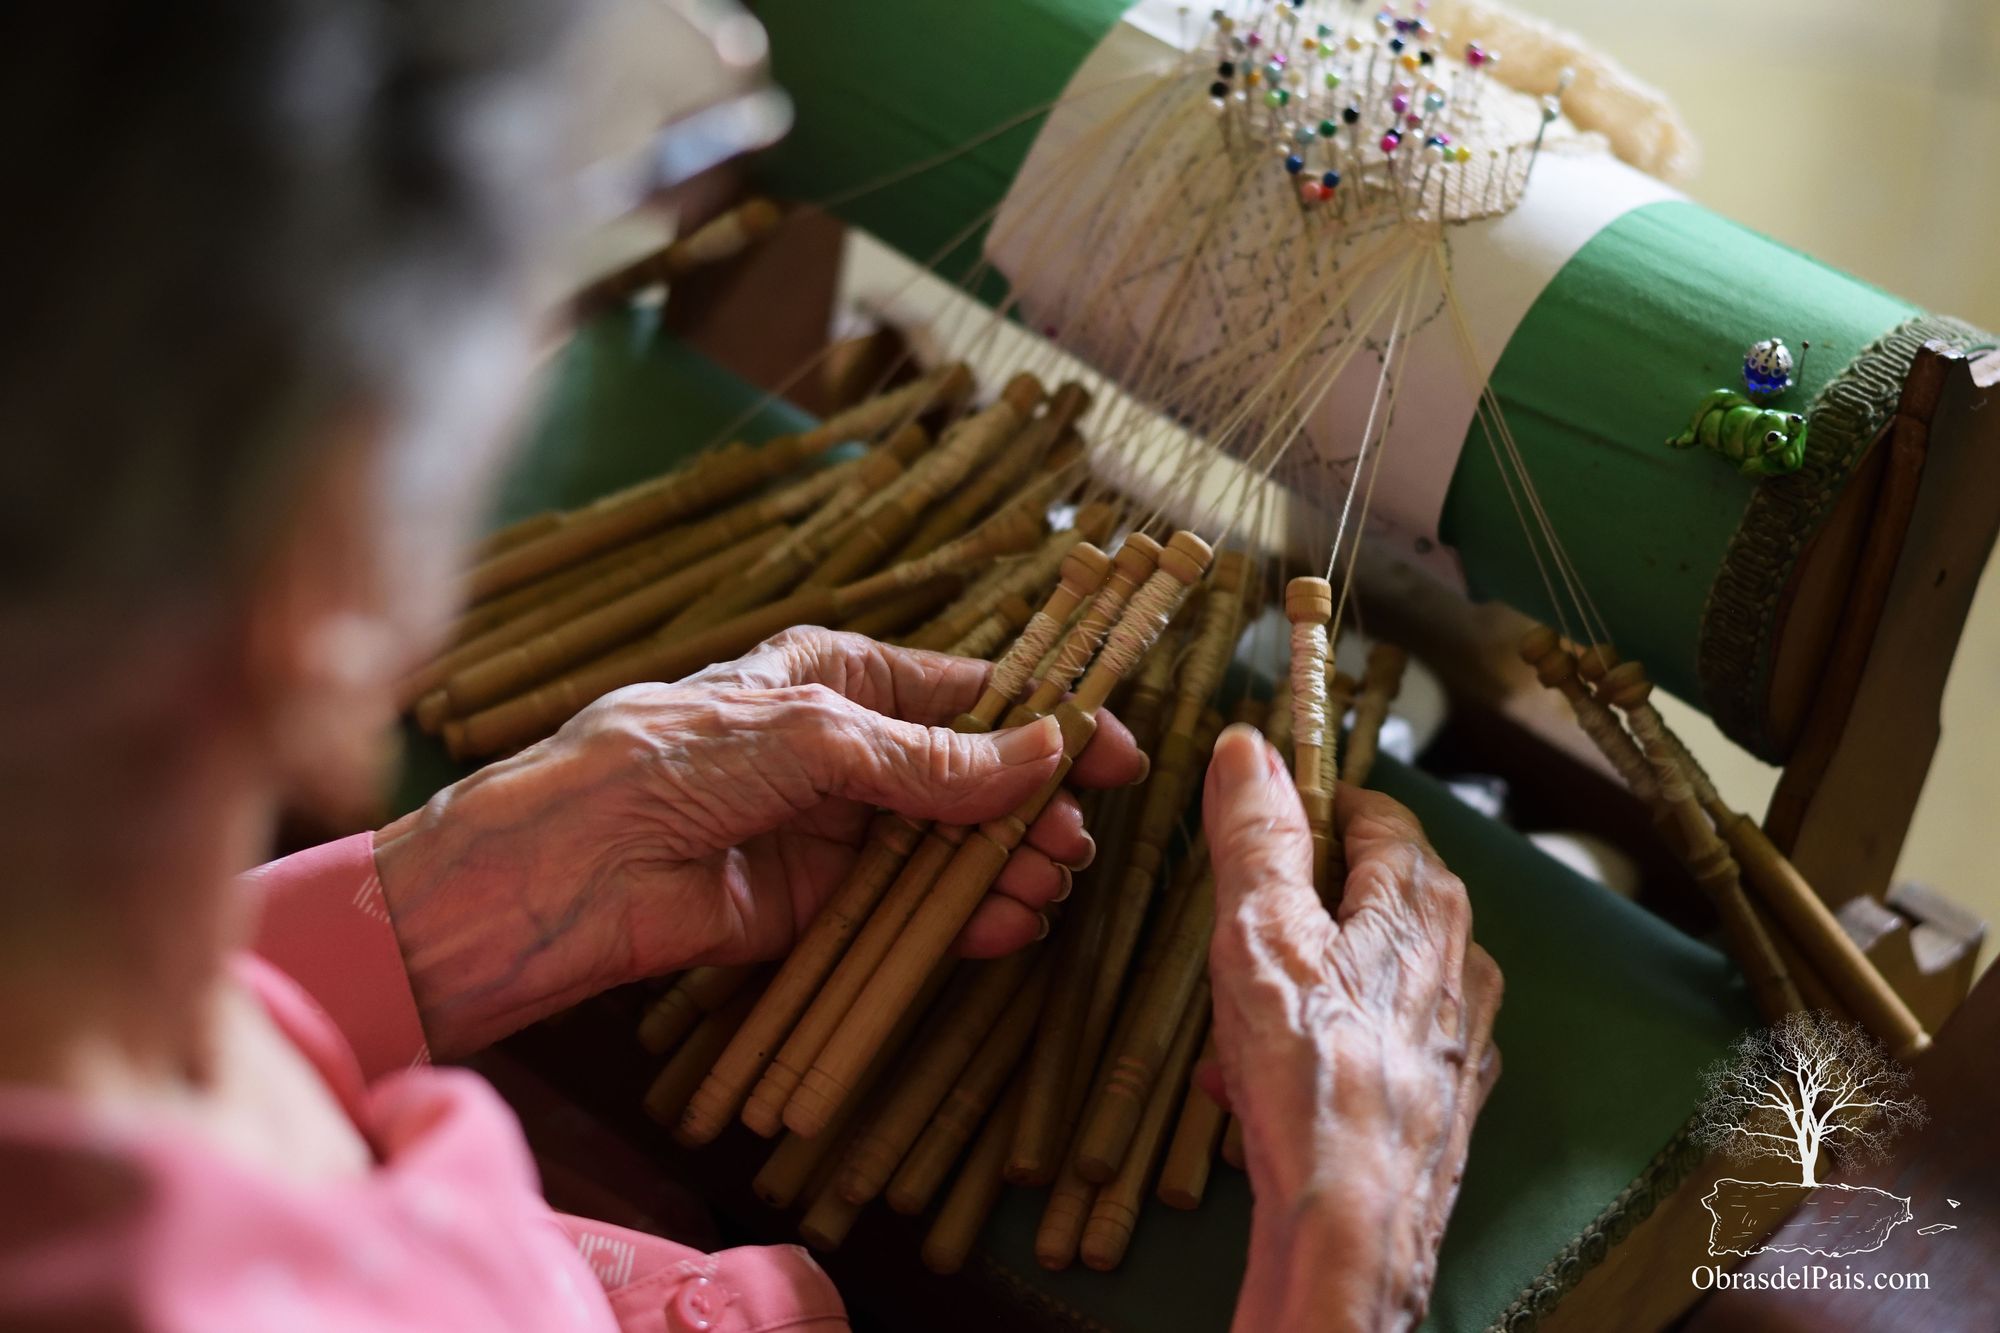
1762, 441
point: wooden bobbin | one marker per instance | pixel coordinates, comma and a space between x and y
820, 1016
1084, 572
805, 1013
1094, 523
511, 670
1178, 762
1010, 466
1067, 1207
1115, 1211
1136, 563
722, 237
1309, 608
894, 617
705, 481
981, 857
625, 570
828, 1220
1048, 1074
1379, 686
1120, 1099
520, 530
1191, 1153
972, 1196
888, 518
1708, 858
994, 593
532, 715
776, 571
955, 1036
1556, 668
798, 1164
1831, 956
1232, 1143
695, 994
1010, 615
957, 1118
683, 1072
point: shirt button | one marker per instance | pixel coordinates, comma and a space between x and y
697, 1305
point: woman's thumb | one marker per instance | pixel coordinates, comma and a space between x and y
1258, 840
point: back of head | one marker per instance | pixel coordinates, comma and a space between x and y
229, 222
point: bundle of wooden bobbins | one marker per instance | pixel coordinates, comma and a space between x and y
697, 566
1792, 949
884, 1067
887, 1070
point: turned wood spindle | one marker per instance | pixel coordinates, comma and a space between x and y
980, 858
957, 1117
778, 570
1309, 607
881, 524
1379, 684
683, 1071
1042, 1127
1067, 1207
1115, 1212
1708, 858
695, 994
1010, 466
1808, 924
706, 480
972, 1196
881, 1143
798, 1164
532, 715
1191, 1153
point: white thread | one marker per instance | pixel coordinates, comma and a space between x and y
1308, 683
1011, 672
1145, 619
1081, 645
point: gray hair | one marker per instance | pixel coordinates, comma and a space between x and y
228, 221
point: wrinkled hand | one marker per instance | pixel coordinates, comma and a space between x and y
1356, 1047
706, 821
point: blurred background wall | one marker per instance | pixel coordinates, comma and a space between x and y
1867, 133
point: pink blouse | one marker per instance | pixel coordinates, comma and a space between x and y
116, 1227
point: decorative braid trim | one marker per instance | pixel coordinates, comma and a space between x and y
1634, 1204
1733, 651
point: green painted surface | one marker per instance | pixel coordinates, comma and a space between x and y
887, 85
1608, 1015
1612, 359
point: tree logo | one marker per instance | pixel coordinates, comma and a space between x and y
1815, 1091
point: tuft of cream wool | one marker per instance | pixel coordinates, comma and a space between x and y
1636, 119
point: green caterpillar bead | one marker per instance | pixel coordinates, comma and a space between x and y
1761, 441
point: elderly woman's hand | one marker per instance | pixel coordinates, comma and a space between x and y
705, 822
1356, 1046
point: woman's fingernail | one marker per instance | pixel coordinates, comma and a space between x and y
1089, 854
1031, 744
1239, 757
1068, 878
1145, 769
1042, 924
